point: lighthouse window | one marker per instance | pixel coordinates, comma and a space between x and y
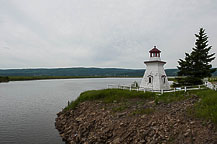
149, 80
164, 79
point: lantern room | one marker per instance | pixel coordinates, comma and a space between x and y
155, 52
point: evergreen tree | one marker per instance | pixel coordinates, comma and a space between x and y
196, 65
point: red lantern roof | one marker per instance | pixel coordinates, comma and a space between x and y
155, 50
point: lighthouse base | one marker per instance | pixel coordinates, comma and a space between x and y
155, 78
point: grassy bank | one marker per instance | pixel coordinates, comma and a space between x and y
4, 79
206, 108
119, 95
110, 95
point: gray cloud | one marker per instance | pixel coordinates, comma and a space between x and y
110, 33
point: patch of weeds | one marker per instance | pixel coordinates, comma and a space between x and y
171, 97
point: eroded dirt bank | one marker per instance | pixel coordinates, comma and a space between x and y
134, 121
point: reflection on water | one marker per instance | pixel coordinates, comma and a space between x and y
28, 108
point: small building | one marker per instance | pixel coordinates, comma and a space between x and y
155, 77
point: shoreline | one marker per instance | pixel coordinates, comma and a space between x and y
25, 78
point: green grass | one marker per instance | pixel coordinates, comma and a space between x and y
171, 97
206, 108
109, 96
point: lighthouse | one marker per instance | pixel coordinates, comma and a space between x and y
155, 77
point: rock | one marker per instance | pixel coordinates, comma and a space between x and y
121, 124
192, 122
116, 141
187, 132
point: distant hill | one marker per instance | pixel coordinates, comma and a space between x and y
80, 71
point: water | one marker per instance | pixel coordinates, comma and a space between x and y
28, 108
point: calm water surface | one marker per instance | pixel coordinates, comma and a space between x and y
28, 108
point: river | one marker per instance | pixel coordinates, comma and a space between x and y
28, 108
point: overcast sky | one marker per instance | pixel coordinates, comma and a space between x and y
101, 33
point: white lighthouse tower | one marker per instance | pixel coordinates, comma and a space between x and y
155, 77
